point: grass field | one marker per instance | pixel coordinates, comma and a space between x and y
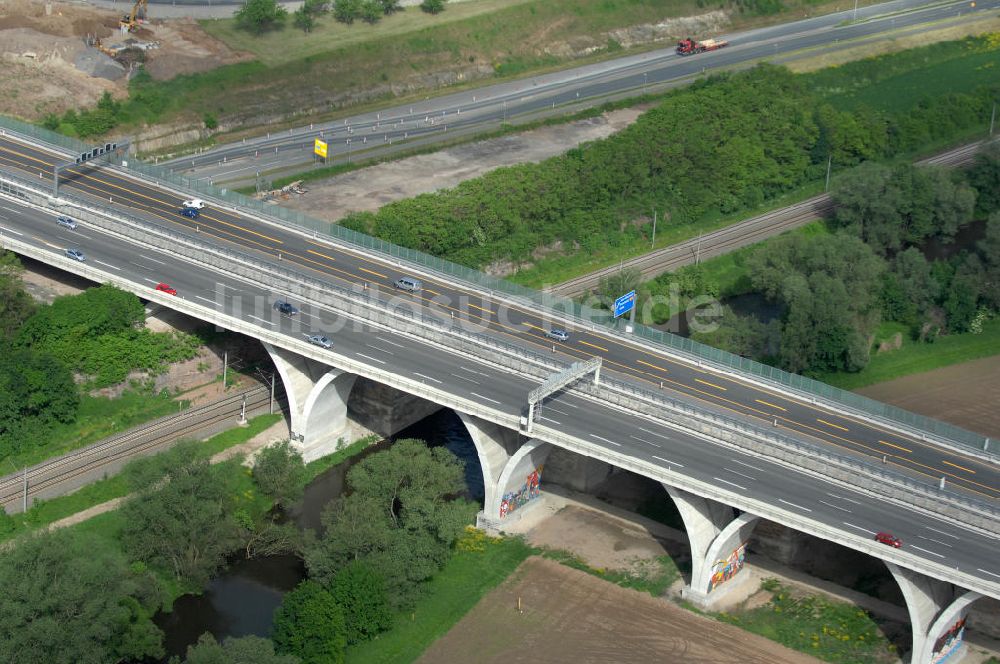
915, 357
480, 564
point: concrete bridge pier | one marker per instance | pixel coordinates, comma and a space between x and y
512, 470
317, 401
937, 615
718, 546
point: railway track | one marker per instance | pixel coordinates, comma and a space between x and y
738, 235
61, 475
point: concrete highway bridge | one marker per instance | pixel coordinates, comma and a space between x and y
732, 441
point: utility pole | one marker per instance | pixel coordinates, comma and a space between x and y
243, 410
697, 253
270, 406
24, 499
225, 369
855, 11
993, 117
829, 165
652, 243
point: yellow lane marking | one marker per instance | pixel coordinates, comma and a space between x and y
652, 365
898, 447
426, 290
955, 465
705, 382
476, 306
768, 403
377, 274
594, 346
831, 424
316, 253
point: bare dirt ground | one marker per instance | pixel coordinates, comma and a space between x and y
370, 188
964, 394
40, 41
570, 616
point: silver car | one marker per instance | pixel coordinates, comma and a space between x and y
66, 222
321, 341
76, 255
557, 334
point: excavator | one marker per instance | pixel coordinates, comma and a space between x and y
130, 21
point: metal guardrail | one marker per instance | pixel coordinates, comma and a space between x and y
677, 413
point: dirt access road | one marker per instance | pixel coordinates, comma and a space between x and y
570, 616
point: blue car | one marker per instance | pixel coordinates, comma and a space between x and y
191, 213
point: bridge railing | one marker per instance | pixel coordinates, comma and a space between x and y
676, 412
555, 306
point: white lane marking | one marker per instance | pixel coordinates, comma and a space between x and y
931, 539
265, 322
391, 343
566, 403
980, 569
942, 532
369, 357
144, 267
719, 479
734, 472
743, 463
152, 281
833, 495
555, 410
434, 380
11, 209
484, 398
151, 259
305, 315
933, 553
389, 352
836, 507
668, 461
549, 419
478, 373
594, 435
107, 265
781, 500
653, 433
461, 377
10, 230
205, 299
86, 237
864, 530
643, 440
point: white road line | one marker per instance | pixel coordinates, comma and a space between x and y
265, 322
11, 209
144, 267
836, 507
434, 380
85, 237
594, 435
781, 500
668, 461
369, 357
980, 569
205, 299
478, 373
383, 350
549, 419
643, 440
151, 259
734, 472
931, 539
152, 281
743, 463
833, 495
653, 433
864, 530
933, 553
107, 265
485, 398
719, 479
305, 315
9, 230
391, 343
942, 532
461, 377
571, 405
556, 410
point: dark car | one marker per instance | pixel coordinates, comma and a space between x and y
889, 540
557, 334
191, 213
286, 308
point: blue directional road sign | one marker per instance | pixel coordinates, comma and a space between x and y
624, 304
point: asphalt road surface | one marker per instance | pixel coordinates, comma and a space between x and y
520, 324
431, 121
857, 515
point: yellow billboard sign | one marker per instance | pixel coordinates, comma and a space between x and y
320, 148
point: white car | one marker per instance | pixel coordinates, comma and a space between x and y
195, 203
321, 341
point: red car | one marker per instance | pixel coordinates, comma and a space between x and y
889, 540
166, 288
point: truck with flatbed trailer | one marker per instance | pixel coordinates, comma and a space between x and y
690, 46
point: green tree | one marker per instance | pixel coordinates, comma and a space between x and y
210, 121
917, 287
70, 598
280, 473
618, 283
432, 6
390, 6
984, 176
303, 19
257, 16
989, 249
16, 305
242, 650
181, 517
371, 11
361, 593
310, 625
346, 11
36, 391
316, 7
